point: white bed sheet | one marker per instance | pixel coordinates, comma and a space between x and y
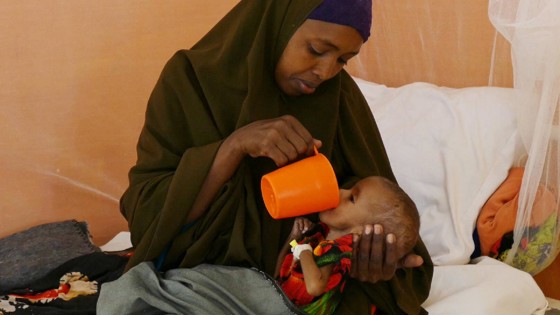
485, 287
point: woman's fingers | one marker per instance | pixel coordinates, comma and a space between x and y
362, 258
282, 139
375, 255
291, 138
300, 138
411, 260
391, 259
355, 253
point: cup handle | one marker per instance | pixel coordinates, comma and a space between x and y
315, 149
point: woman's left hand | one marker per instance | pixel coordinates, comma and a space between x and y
375, 256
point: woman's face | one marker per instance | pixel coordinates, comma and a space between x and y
316, 52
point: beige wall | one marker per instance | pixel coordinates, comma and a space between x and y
445, 42
75, 77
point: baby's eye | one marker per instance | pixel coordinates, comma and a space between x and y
352, 198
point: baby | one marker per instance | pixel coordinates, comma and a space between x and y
313, 276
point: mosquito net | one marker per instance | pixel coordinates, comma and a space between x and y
533, 29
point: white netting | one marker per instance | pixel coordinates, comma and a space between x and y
533, 29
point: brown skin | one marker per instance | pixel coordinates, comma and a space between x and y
316, 278
355, 207
316, 52
349, 216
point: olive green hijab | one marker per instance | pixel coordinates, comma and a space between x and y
223, 82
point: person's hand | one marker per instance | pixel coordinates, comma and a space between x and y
281, 139
375, 256
301, 225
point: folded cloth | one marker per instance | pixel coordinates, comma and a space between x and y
486, 286
497, 216
28, 255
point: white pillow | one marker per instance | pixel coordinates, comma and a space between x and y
449, 149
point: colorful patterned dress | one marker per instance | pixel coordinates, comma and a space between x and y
325, 252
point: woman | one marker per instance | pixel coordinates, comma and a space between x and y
260, 90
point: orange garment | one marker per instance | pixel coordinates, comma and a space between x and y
497, 216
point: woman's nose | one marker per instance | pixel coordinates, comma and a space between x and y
325, 70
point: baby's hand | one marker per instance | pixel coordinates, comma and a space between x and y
301, 225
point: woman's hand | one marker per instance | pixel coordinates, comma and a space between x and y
375, 256
281, 139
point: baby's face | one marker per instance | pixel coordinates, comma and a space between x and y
373, 201
356, 204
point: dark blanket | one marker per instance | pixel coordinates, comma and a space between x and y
29, 255
47, 295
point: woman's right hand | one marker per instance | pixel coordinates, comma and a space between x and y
282, 139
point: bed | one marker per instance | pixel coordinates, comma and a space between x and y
66, 154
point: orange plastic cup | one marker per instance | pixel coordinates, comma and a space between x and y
303, 187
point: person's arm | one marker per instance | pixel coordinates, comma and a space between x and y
301, 225
281, 256
226, 162
282, 139
315, 278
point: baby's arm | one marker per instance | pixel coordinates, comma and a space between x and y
315, 278
301, 225
281, 256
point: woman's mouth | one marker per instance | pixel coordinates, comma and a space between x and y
305, 87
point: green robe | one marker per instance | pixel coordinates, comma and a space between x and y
223, 82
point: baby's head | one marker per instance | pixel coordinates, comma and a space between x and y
376, 200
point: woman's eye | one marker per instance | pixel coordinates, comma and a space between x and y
314, 51
352, 199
